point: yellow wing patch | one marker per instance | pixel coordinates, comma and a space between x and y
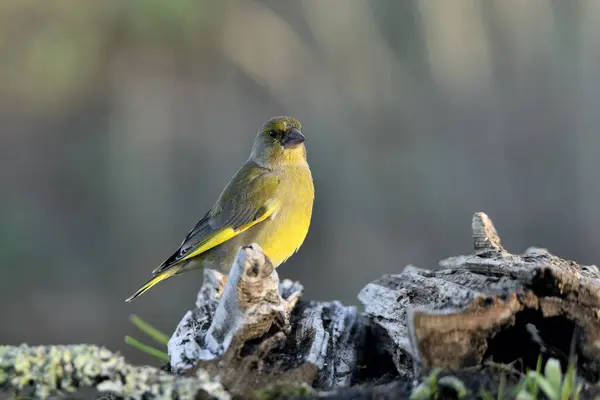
224, 234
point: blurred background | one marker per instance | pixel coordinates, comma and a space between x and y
120, 123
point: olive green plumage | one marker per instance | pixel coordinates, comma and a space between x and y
268, 201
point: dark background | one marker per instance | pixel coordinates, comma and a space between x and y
120, 123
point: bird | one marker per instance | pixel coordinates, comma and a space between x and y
268, 201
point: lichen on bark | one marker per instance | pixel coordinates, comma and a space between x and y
43, 371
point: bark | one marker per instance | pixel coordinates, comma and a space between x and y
474, 316
491, 305
259, 334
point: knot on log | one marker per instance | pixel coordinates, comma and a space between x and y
249, 305
251, 301
257, 281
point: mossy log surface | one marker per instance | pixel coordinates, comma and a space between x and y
478, 317
44, 371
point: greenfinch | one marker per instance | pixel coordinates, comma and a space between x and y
268, 201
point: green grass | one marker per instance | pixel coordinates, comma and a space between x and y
149, 330
154, 334
552, 383
548, 382
432, 386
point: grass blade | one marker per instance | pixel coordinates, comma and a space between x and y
146, 349
485, 395
501, 386
149, 330
523, 395
543, 384
553, 373
538, 372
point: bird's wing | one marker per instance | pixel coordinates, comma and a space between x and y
246, 201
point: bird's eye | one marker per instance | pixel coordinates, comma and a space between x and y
272, 133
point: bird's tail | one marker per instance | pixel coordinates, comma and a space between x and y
166, 274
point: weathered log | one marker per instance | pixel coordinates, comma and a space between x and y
485, 307
257, 337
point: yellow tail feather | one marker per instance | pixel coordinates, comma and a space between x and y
158, 278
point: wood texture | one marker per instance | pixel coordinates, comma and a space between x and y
476, 316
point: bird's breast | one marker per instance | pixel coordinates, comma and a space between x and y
288, 227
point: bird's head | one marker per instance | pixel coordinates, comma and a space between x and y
279, 141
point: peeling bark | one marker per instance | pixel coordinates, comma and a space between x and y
484, 307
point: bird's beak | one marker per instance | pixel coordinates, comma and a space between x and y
292, 138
